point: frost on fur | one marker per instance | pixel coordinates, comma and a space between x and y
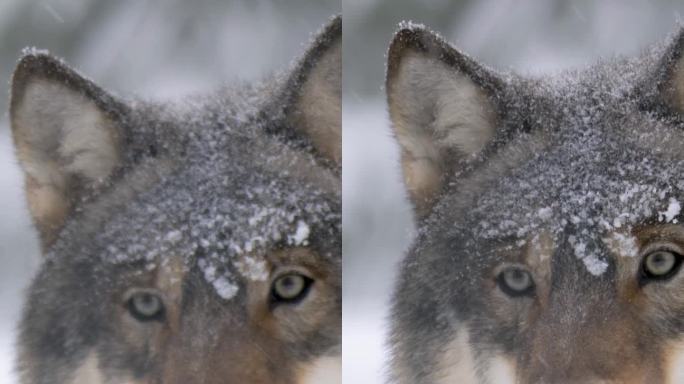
195, 240
216, 180
556, 248
576, 152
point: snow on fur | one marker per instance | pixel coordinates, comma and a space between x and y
594, 160
229, 197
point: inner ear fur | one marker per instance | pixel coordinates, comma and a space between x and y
671, 68
314, 94
441, 108
66, 138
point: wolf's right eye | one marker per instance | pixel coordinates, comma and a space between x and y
290, 288
515, 281
145, 306
660, 265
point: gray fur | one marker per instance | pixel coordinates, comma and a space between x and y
577, 156
219, 182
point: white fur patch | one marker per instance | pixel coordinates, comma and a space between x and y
674, 373
500, 371
458, 363
88, 372
326, 370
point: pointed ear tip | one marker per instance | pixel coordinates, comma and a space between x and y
414, 36
332, 30
34, 62
408, 36
404, 36
402, 39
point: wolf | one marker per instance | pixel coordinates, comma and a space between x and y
196, 241
549, 214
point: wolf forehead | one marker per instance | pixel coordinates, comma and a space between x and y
229, 190
583, 157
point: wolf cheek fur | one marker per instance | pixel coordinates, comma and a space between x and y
195, 242
543, 204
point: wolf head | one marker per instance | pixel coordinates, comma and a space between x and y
549, 244
190, 243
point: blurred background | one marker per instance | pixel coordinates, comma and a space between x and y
530, 37
147, 48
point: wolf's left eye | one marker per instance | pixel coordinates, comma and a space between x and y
660, 265
145, 306
515, 281
290, 288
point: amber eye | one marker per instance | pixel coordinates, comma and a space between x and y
660, 265
290, 288
515, 281
145, 306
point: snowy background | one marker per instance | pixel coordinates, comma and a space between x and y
148, 48
532, 36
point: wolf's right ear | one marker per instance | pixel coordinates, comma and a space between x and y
670, 76
66, 138
313, 94
441, 107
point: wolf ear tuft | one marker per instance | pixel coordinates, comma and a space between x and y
441, 107
314, 90
65, 136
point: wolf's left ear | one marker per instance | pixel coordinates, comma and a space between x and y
66, 136
670, 79
314, 93
442, 107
